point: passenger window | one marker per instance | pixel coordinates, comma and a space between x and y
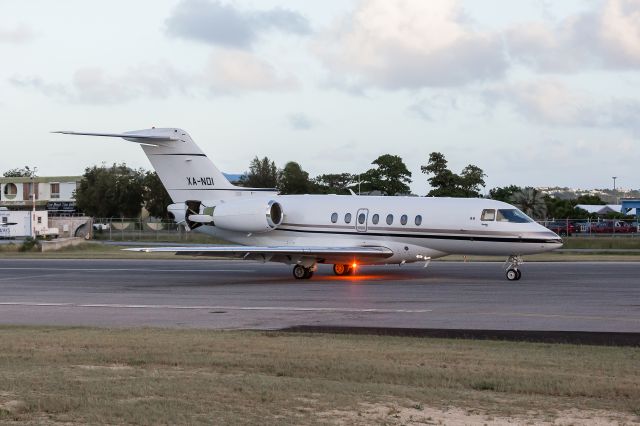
389, 219
334, 217
403, 219
488, 215
375, 219
347, 218
361, 218
418, 220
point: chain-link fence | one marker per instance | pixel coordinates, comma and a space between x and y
136, 229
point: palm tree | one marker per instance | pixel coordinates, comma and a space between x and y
531, 202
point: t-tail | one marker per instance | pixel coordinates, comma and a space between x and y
185, 171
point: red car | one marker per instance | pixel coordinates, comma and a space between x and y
562, 228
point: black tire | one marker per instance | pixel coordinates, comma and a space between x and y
519, 274
512, 274
300, 272
309, 274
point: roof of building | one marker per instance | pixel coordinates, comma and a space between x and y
40, 179
607, 208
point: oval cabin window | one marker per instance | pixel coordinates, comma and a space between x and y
347, 218
418, 220
361, 218
375, 219
389, 219
334, 217
403, 219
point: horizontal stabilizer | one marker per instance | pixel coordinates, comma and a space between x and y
138, 137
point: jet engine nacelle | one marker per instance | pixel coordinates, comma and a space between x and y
249, 215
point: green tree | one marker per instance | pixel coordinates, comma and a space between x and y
590, 199
26, 171
445, 183
504, 193
390, 176
262, 173
294, 180
114, 191
566, 209
334, 183
471, 181
155, 196
531, 201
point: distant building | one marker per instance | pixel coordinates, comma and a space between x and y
53, 193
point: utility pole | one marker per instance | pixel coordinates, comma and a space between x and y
614, 182
33, 203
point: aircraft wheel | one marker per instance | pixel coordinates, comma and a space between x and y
519, 274
513, 275
301, 273
339, 269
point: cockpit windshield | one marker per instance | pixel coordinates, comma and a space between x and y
512, 215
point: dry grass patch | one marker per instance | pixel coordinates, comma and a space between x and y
157, 376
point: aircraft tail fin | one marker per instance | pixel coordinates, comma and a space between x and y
185, 171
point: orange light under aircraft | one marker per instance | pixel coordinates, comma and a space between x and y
354, 265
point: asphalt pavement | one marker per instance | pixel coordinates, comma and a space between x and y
248, 295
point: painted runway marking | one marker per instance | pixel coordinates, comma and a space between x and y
127, 270
18, 277
228, 308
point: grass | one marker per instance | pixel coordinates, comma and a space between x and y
603, 243
158, 376
97, 250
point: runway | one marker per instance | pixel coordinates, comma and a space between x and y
564, 296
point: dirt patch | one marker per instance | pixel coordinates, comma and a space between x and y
14, 406
391, 414
113, 367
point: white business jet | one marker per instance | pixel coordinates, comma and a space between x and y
343, 230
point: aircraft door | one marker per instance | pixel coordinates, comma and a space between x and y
362, 217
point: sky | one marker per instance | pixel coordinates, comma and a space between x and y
534, 92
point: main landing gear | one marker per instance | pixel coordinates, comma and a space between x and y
302, 273
513, 273
340, 269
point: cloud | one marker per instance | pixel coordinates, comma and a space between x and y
93, 85
607, 37
234, 71
213, 22
411, 44
18, 35
300, 122
433, 107
226, 73
550, 102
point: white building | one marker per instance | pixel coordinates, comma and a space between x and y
17, 192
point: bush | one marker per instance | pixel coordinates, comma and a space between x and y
30, 244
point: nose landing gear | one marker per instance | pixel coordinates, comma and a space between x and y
513, 273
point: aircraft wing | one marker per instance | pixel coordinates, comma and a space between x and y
346, 254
